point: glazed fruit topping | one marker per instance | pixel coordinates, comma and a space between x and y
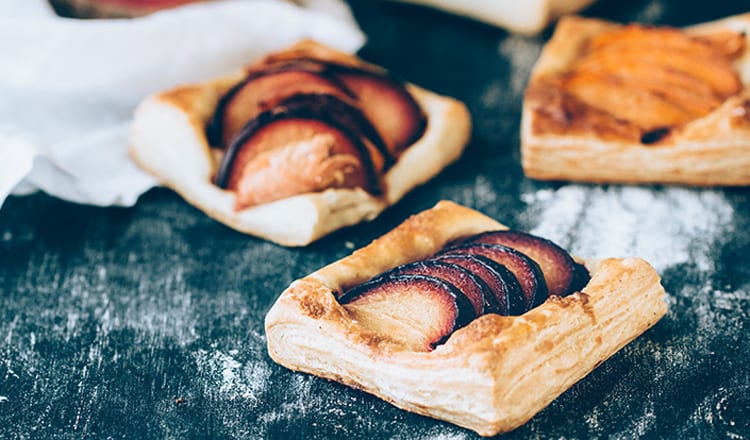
352, 104
420, 304
419, 311
297, 148
526, 270
654, 77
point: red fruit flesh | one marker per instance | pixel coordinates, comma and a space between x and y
417, 311
506, 296
389, 106
293, 156
526, 271
477, 292
557, 265
264, 91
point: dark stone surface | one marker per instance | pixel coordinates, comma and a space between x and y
147, 322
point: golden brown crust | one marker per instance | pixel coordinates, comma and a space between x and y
168, 140
490, 376
313, 50
564, 139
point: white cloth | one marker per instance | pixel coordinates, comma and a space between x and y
68, 87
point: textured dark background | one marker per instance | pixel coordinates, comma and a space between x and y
147, 322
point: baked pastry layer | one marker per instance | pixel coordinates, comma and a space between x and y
528, 17
490, 376
168, 140
560, 141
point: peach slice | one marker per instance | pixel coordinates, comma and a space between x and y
645, 37
625, 100
717, 72
685, 91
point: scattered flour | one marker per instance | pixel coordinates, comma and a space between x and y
228, 379
653, 12
666, 227
436, 433
522, 53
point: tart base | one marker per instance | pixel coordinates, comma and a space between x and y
708, 151
492, 375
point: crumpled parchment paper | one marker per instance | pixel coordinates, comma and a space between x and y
68, 87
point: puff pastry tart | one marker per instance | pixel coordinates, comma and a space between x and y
640, 104
453, 316
298, 144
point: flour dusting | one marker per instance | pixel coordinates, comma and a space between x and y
653, 12
434, 433
666, 227
522, 53
228, 379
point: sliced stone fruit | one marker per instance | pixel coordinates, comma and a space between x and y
581, 277
342, 114
389, 106
717, 72
471, 285
691, 94
526, 271
649, 37
417, 311
295, 149
506, 296
265, 90
557, 265
626, 99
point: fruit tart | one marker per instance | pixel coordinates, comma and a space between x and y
640, 104
299, 143
451, 315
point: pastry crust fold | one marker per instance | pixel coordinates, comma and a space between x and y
492, 375
168, 140
711, 150
528, 17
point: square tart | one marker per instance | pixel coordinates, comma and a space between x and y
490, 376
563, 138
168, 140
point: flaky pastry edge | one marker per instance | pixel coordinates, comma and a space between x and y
490, 376
710, 151
528, 17
168, 140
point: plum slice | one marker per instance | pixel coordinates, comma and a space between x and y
506, 296
418, 311
332, 109
262, 91
581, 277
526, 271
292, 150
557, 266
386, 102
472, 286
